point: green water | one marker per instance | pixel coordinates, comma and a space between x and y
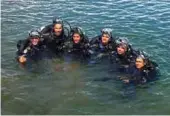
56, 87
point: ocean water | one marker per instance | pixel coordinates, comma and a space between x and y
56, 87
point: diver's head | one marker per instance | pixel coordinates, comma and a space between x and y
58, 26
106, 35
77, 35
122, 45
141, 60
34, 37
139, 63
76, 38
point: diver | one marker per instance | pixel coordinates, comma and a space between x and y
56, 34
78, 44
124, 54
31, 48
103, 45
142, 71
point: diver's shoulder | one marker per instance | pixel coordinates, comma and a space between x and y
95, 39
46, 28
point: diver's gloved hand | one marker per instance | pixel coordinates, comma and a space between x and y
22, 59
126, 81
90, 52
123, 77
143, 80
100, 55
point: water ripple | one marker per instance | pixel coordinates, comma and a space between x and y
145, 23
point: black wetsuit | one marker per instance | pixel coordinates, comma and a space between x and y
31, 52
126, 59
147, 74
97, 45
123, 61
78, 50
101, 51
52, 41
